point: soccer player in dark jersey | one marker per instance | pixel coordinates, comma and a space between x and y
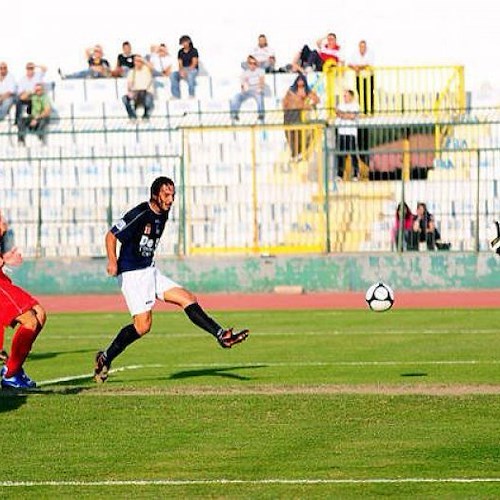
18, 308
139, 232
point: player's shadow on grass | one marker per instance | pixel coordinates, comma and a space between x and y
36, 356
414, 374
10, 401
215, 372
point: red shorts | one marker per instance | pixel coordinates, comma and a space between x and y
14, 301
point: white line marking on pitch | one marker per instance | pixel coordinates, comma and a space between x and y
341, 363
166, 336
187, 482
84, 376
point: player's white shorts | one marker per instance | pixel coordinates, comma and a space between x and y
141, 287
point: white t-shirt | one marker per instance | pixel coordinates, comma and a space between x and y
8, 84
252, 78
346, 126
161, 63
368, 59
28, 84
262, 54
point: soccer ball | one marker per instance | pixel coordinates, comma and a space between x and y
494, 237
379, 297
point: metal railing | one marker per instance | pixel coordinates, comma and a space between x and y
240, 191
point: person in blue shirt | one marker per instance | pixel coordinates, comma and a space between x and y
141, 282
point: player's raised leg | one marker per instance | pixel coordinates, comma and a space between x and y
185, 299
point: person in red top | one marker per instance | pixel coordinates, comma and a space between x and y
403, 225
327, 50
18, 308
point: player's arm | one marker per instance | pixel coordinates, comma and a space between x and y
12, 258
112, 267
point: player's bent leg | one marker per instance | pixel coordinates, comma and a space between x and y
126, 336
13, 375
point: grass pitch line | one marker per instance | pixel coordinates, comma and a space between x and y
85, 376
189, 482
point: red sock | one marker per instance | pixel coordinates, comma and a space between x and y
21, 346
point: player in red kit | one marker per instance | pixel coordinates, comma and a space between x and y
19, 310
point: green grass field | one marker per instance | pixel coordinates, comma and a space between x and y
316, 404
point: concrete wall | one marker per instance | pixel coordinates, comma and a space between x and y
346, 272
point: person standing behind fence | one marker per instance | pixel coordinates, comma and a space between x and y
298, 99
140, 88
348, 113
361, 62
252, 87
188, 59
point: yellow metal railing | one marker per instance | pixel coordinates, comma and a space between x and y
397, 89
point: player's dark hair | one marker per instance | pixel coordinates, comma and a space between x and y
158, 183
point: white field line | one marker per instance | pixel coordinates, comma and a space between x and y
189, 482
84, 376
167, 335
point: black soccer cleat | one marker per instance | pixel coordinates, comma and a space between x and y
101, 368
227, 338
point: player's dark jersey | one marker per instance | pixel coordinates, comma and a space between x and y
139, 232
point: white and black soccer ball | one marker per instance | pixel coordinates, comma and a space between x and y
494, 236
379, 297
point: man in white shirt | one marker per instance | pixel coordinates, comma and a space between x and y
362, 62
265, 55
8, 88
252, 87
140, 90
347, 132
160, 61
26, 87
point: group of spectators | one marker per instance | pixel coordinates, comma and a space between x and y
33, 107
415, 231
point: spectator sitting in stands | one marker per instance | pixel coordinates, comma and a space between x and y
425, 230
98, 65
327, 50
264, 55
252, 87
39, 117
8, 89
160, 61
139, 90
403, 225
298, 99
26, 88
124, 61
188, 68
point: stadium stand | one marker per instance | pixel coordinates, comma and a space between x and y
239, 191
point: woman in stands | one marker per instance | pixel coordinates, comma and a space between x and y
297, 101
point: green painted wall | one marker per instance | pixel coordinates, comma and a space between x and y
352, 272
